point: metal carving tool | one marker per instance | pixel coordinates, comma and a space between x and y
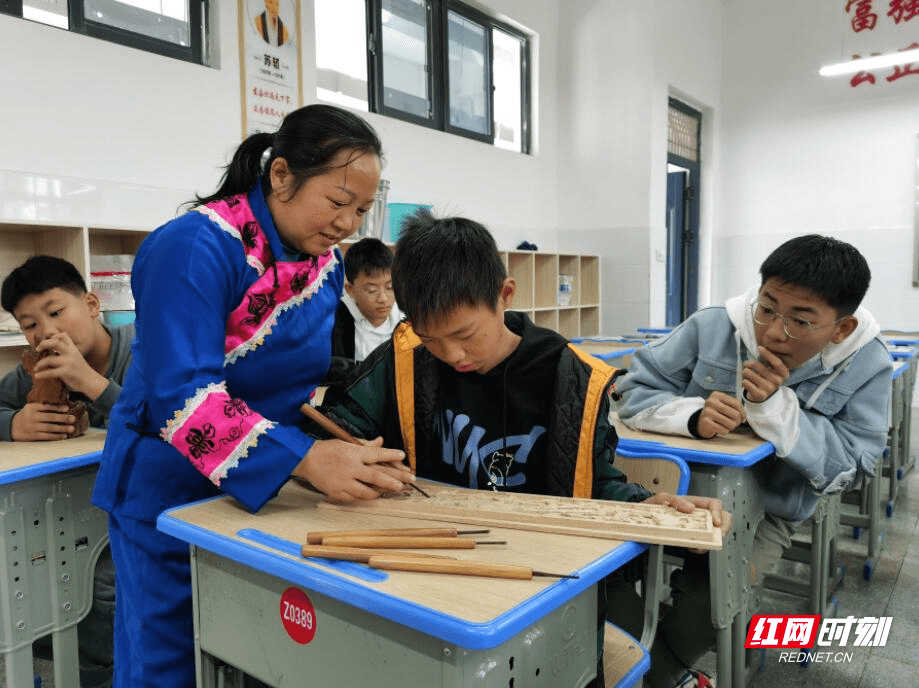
315, 538
460, 567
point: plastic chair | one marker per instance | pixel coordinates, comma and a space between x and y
625, 660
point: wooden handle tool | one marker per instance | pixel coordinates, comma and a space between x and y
463, 568
315, 538
340, 433
403, 542
330, 426
360, 555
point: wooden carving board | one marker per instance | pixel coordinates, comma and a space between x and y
649, 523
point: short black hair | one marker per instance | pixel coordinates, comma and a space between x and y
369, 255
37, 275
444, 263
828, 267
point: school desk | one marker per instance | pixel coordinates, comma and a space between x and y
901, 396
906, 350
718, 470
288, 621
869, 494
617, 353
52, 537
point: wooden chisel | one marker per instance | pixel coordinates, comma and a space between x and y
404, 542
360, 555
462, 568
315, 538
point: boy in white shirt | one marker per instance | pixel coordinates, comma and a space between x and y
367, 314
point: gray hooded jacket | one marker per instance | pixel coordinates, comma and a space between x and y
828, 422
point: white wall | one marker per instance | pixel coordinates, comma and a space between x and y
803, 153
81, 108
619, 63
147, 132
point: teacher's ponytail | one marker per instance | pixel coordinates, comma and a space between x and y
244, 169
309, 138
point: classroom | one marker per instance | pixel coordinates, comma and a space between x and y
635, 163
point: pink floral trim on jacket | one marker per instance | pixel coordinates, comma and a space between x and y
215, 431
280, 286
234, 216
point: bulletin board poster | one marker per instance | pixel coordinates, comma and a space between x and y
269, 55
876, 27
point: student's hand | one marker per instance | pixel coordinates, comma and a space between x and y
688, 503
41, 422
721, 414
762, 377
68, 365
348, 472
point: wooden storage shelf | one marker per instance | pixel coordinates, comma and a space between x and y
75, 243
521, 266
105, 241
537, 276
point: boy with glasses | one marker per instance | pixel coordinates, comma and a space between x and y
798, 359
366, 315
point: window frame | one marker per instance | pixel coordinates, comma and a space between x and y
197, 29
487, 23
375, 100
195, 53
11, 7
438, 76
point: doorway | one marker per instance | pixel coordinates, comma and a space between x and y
683, 172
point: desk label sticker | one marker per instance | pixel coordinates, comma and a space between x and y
298, 615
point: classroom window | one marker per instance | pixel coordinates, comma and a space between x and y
469, 75
436, 63
341, 52
404, 40
174, 28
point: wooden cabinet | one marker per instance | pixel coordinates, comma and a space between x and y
72, 242
573, 311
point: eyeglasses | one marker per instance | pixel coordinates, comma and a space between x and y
795, 328
374, 292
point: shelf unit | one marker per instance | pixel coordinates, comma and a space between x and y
75, 243
537, 274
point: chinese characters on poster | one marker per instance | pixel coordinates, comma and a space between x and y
875, 27
269, 62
